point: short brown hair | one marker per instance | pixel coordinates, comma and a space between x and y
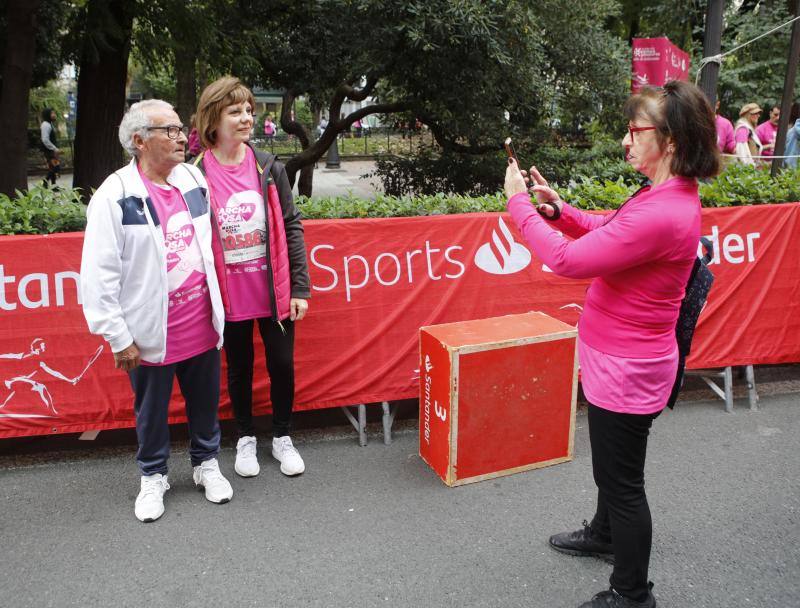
217, 96
680, 111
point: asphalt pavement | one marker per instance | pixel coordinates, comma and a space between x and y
374, 526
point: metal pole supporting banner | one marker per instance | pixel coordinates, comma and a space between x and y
712, 44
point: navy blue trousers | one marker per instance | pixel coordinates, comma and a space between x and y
198, 379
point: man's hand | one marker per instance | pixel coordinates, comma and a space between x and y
297, 309
127, 359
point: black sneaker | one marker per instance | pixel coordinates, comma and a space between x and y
584, 542
612, 599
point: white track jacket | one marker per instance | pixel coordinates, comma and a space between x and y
124, 268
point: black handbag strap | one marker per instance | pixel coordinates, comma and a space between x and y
709, 247
701, 261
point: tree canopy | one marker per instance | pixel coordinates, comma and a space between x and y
474, 71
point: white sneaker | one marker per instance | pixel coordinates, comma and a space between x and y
207, 476
285, 452
246, 461
150, 502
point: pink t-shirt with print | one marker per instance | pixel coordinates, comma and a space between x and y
767, 132
190, 330
242, 219
725, 135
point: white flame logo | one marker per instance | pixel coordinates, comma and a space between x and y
502, 255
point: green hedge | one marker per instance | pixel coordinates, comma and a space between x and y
44, 210
737, 185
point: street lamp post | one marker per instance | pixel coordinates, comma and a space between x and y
332, 162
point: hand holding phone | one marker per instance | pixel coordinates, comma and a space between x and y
510, 150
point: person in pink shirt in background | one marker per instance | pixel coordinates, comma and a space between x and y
725, 140
269, 128
748, 143
767, 131
194, 146
639, 258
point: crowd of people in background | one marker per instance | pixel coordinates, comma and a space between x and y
752, 142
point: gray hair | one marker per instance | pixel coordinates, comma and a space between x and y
136, 120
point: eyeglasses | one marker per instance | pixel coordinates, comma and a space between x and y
172, 130
633, 130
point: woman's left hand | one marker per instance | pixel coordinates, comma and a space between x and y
515, 182
297, 309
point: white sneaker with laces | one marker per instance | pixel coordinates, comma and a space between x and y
150, 501
207, 476
246, 461
287, 455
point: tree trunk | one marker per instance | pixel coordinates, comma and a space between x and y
186, 85
101, 98
17, 74
305, 184
633, 28
202, 74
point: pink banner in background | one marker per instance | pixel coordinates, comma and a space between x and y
656, 61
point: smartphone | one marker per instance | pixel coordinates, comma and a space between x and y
510, 149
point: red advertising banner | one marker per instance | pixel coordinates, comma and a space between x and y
656, 61
375, 282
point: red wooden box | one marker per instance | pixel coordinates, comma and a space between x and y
497, 396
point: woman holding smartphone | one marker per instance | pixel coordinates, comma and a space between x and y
261, 263
639, 258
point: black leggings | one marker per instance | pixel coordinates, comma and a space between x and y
279, 350
619, 446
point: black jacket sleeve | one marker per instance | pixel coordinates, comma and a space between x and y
296, 245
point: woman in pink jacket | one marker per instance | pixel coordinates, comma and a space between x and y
261, 264
639, 258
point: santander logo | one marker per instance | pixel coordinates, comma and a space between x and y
502, 255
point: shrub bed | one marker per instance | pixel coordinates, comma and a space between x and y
44, 210
736, 185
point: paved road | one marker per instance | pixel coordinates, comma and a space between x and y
375, 527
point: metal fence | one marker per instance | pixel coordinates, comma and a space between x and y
368, 143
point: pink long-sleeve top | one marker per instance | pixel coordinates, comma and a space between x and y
640, 258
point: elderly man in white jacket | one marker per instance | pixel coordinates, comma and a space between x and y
149, 288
